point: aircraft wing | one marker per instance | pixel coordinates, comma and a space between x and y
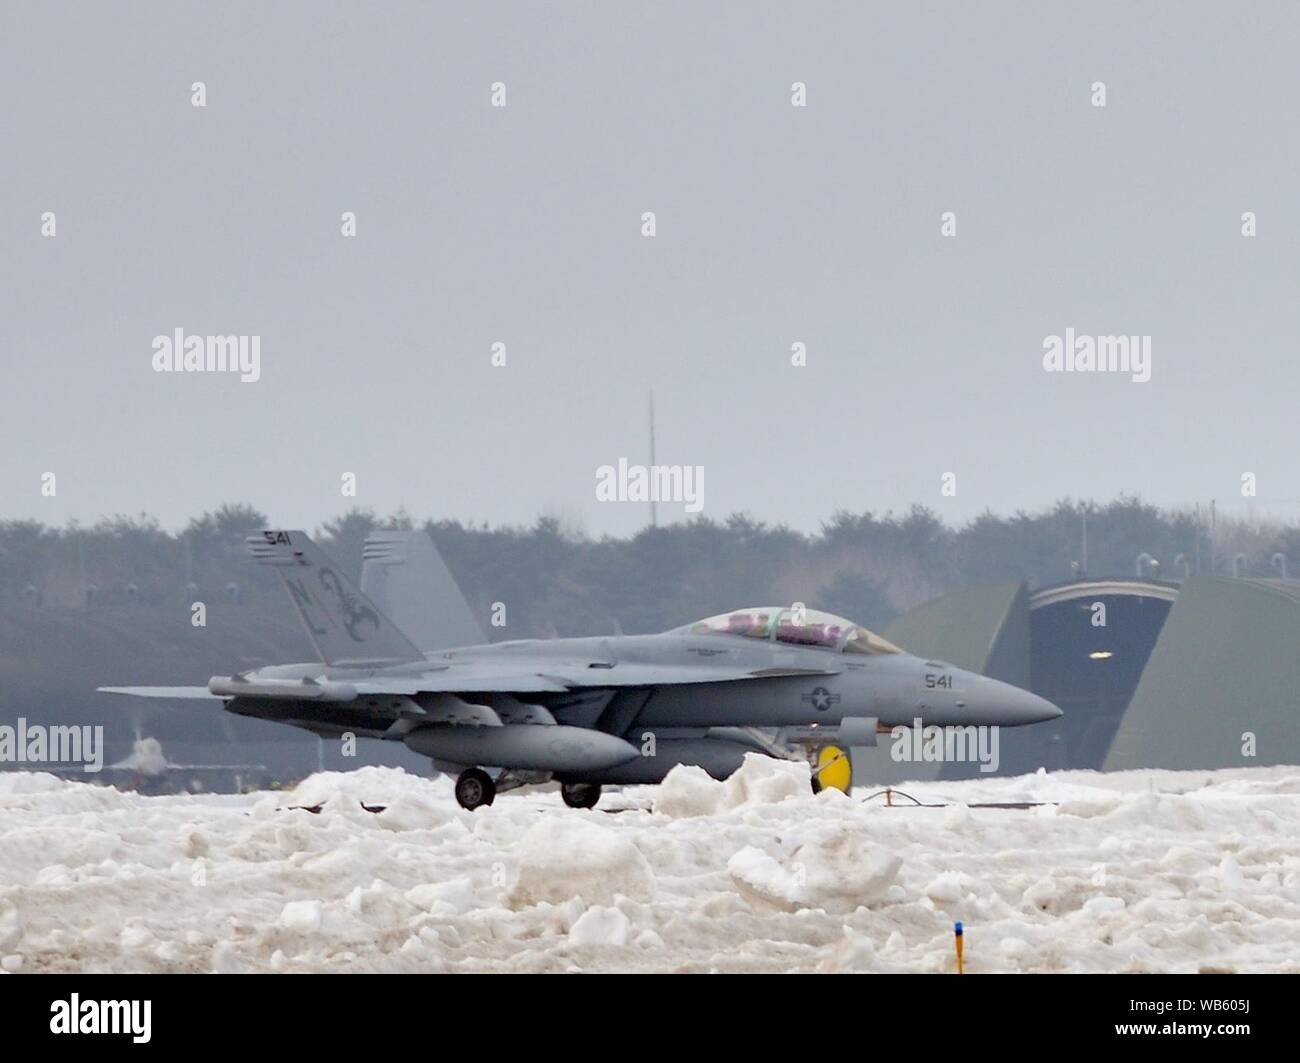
459, 682
223, 687
649, 675
464, 680
561, 676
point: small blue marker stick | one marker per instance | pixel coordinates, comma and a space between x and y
957, 934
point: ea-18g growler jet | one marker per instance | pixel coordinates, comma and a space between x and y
582, 711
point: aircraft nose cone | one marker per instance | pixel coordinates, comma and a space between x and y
1011, 706
1030, 708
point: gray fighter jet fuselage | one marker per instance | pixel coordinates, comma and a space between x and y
591, 711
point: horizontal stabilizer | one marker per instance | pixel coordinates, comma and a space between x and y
180, 693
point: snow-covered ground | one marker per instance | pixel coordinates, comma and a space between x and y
1136, 871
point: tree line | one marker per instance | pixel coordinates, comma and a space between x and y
556, 580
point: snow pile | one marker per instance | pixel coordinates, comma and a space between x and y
761, 877
690, 791
301, 915
857, 954
16, 783
601, 926
377, 786
835, 874
1135, 871
11, 926
562, 857
846, 871
445, 898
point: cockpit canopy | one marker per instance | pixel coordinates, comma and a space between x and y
799, 627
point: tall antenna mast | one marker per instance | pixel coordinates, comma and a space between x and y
1213, 529
1084, 520
654, 506
1200, 531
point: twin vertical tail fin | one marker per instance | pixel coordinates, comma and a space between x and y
343, 624
405, 576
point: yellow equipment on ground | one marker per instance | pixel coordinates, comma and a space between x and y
834, 768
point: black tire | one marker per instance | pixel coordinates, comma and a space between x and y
816, 783
474, 789
580, 794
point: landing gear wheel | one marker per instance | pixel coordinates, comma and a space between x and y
474, 788
580, 794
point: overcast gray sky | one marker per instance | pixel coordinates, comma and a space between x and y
775, 225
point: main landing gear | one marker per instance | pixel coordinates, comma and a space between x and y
580, 794
475, 788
